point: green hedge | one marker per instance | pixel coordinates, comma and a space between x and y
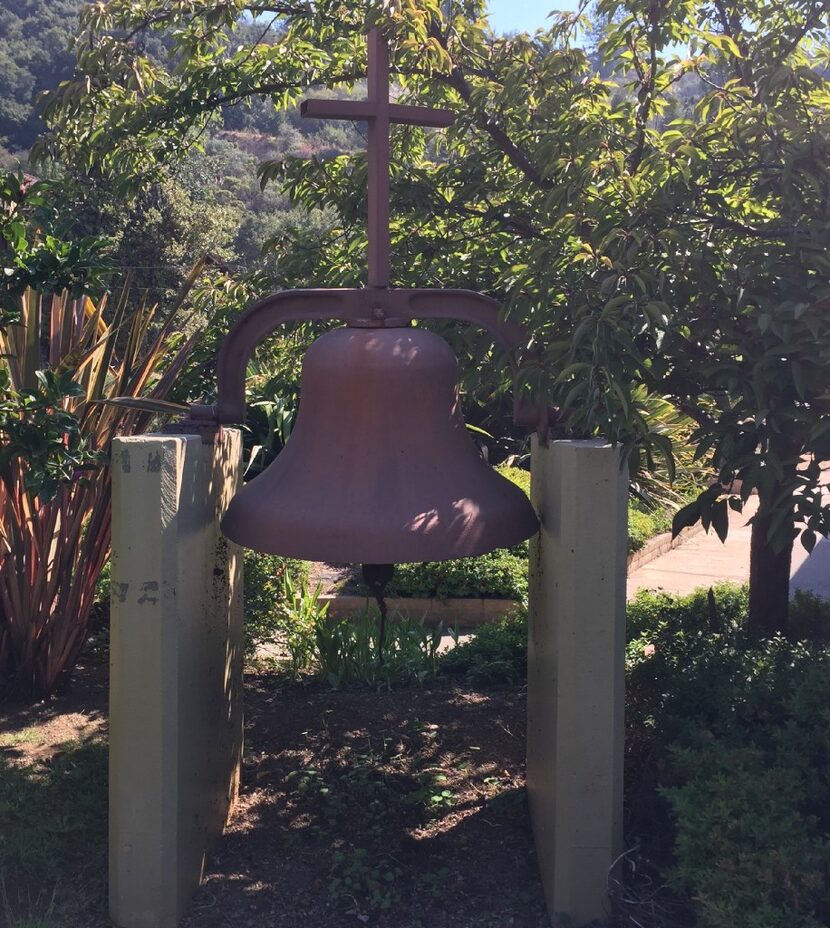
501, 574
739, 731
496, 654
644, 524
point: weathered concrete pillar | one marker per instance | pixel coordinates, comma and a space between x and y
576, 668
175, 670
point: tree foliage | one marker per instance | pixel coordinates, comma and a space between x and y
648, 238
35, 55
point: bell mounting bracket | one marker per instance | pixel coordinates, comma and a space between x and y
369, 308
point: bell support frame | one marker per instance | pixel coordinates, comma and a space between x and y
369, 308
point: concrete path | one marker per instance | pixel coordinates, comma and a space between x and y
704, 560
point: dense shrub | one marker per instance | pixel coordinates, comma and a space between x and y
501, 574
497, 653
733, 735
653, 615
751, 844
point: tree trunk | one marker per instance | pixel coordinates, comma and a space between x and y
769, 578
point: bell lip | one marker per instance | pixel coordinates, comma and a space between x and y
384, 553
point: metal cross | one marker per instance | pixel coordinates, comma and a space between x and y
380, 114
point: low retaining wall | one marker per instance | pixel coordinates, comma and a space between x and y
452, 613
660, 545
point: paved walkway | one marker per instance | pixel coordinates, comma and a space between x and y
704, 560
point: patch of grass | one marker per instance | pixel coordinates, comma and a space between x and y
13, 738
27, 912
49, 811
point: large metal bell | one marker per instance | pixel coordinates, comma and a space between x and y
380, 468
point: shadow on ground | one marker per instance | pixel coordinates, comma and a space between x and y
403, 808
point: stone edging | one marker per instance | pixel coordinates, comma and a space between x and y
660, 545
452, 613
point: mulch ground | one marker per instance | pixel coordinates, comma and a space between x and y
401, 809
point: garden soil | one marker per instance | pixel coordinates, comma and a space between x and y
397, 809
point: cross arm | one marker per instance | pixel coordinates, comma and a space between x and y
358, 110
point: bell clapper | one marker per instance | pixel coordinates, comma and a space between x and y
376, 577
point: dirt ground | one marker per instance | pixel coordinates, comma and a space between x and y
398, 809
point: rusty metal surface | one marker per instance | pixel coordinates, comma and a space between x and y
354, 307
379, 113
379, 468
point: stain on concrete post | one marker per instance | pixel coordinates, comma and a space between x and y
576, 651
176, 671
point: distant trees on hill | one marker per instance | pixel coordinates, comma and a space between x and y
34, 56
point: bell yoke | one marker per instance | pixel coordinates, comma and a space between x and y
379, 468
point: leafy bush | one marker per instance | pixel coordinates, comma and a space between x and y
644, 524
497, 653
750, 847
110, 373
651, 616
500, 574
735, 734
809, 618
265, 594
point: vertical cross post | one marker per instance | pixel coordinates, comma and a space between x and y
379, 113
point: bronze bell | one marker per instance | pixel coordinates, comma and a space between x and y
380, 467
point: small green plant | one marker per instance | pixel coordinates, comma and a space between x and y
433, 793
271, 583
301, 614
347, 649
357, 877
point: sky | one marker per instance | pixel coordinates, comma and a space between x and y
524, 15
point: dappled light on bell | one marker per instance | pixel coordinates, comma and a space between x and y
379, 468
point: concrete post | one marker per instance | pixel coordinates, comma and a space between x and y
176, 670
576, 668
